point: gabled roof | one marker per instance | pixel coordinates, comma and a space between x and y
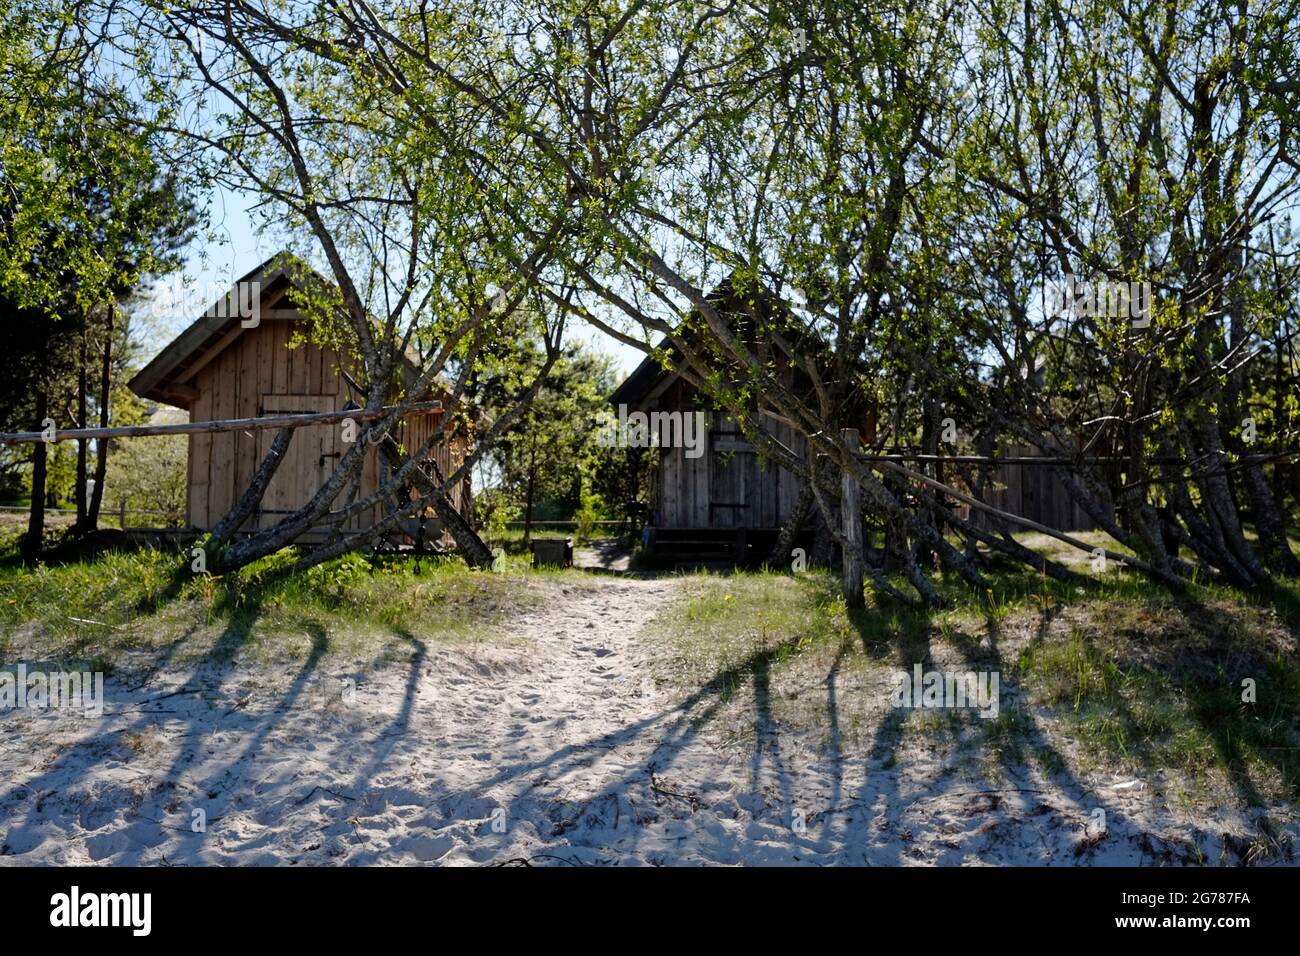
162, 380
647, 376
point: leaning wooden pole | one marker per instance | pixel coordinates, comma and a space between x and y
221, 425
851, 510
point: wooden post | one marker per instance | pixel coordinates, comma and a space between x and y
121, 511
851, 512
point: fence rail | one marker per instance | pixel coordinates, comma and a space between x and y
24, 509
291, 420
603, 523
121, 514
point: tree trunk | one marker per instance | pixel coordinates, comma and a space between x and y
1004, 544
1216, 493
289, 529
780, 553
528, 497
34, 540
931, 425
851, 509
101, 445
878, 579
252, 497
823, 533
80, 494
476, 553
1269, 522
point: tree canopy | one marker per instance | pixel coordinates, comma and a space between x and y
911, 184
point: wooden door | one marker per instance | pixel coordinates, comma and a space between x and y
733, 481
313, 453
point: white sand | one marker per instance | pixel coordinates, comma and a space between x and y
562, 753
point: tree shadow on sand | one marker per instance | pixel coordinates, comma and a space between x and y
1028, 776
23, 804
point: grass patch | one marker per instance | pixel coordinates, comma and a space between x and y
1182, 709
727, 623
122, 605
1115, 675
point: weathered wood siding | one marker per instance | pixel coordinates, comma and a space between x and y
1031, 491
276, 367
729, 486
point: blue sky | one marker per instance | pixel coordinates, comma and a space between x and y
232, 246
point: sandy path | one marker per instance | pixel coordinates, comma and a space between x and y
561, 752
464, 754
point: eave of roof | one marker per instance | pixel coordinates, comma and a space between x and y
159, 380
643, 378
646, 376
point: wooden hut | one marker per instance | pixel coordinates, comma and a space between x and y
728, 502
731, 503
252, 354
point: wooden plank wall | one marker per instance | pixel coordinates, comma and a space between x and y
1033, 492
305, 467
687, 493
683, 490
692, 492
235, 383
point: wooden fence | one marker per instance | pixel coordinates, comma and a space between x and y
1020, 481
121, 513
1031, 491
1035, 492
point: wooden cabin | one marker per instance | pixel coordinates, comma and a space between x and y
726, 503
730, 502
252, 354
